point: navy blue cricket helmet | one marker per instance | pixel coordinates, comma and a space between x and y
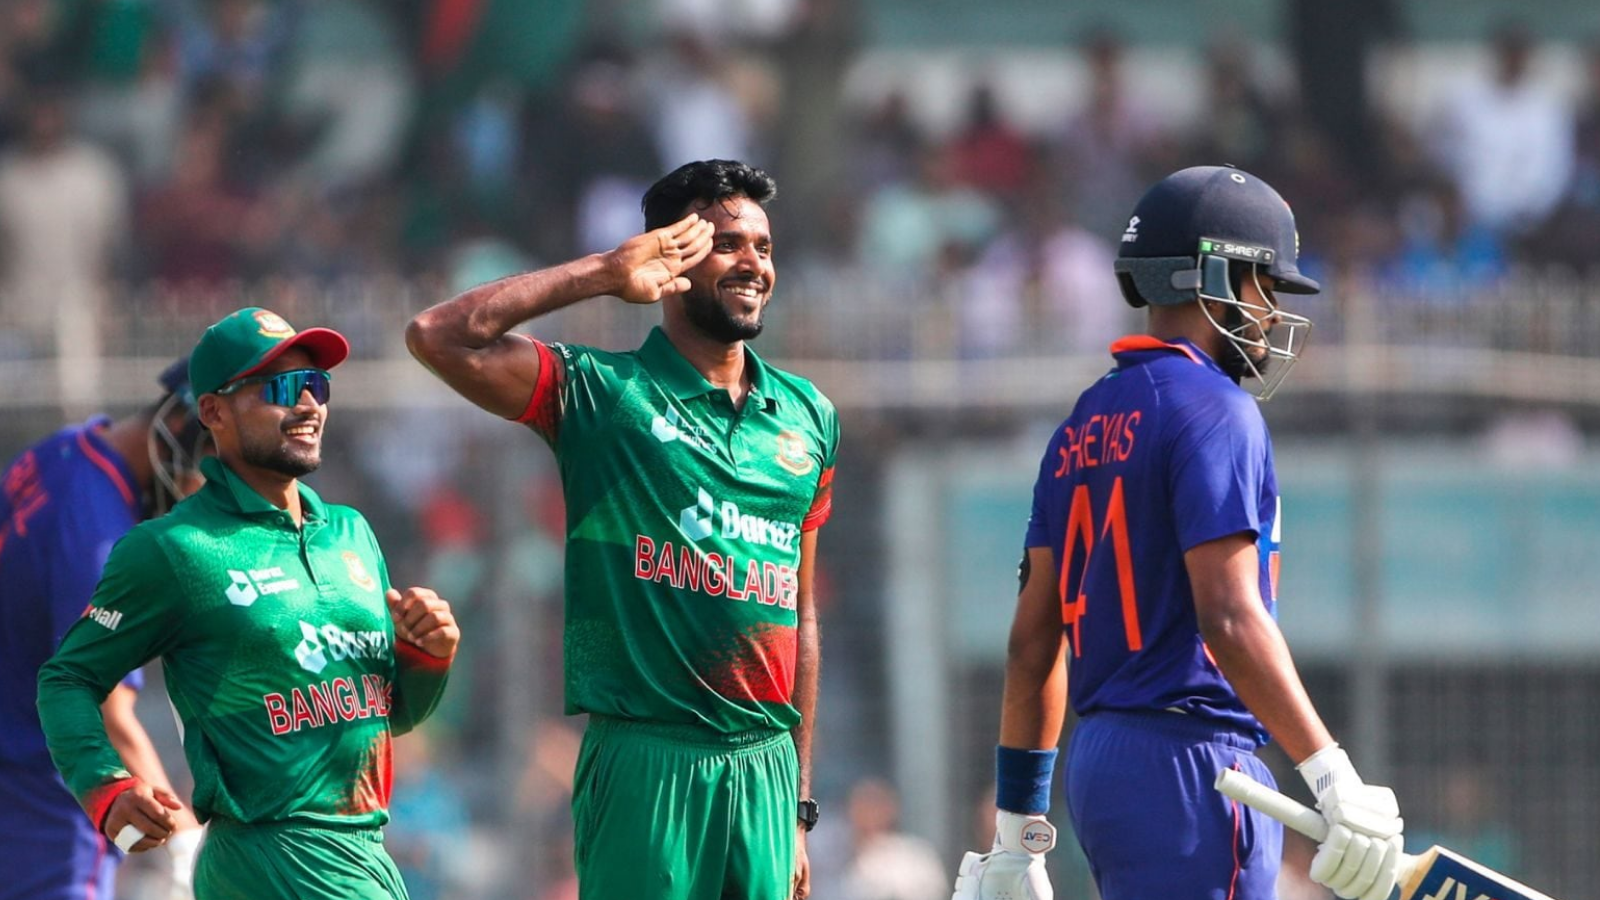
1197, 235
1206, 211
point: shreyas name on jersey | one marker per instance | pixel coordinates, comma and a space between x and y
1100, 441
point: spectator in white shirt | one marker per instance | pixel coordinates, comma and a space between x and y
1508, 141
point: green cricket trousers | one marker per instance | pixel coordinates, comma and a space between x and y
681, 812
294, 860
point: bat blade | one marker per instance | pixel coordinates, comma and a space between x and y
1441, 874
1437, 874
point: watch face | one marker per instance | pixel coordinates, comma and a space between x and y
808, 813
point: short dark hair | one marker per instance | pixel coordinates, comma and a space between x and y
704, 182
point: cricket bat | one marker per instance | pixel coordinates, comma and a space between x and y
1435, 874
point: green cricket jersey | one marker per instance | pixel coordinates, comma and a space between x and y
684, 522
279, 654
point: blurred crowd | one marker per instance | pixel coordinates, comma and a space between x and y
197, 144
178, 149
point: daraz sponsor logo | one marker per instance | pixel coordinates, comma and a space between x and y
704, 518
318, 644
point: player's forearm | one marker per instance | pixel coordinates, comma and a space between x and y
1247, 645
482, 315
74, 731
1035, 702
807, 676
144, 762
1034, 707
133, 745
420, 680
1251, 652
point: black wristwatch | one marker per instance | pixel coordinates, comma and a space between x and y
808, 814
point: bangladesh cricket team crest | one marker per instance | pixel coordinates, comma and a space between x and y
273, 325
792, 453
358, 571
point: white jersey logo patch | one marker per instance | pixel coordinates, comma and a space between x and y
108, 618
243, 591
672, 427
317, 644
700, 521
695, 521
249, 585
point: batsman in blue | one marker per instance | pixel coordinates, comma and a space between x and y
64, 502
1148, 592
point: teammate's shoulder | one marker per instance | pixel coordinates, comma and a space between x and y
344, 514
584, 360
570, 352
185, 517
1212, 404
1184, 381
145, 545
783, 384
58, 453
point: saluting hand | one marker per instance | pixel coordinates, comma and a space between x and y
651, 265
422, 618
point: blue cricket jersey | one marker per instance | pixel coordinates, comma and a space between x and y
63, 503
1163, 453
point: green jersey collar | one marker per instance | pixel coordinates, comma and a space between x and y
223, 485
684, 381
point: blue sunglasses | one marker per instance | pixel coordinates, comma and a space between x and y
285, 388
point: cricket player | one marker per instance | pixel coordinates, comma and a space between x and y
290, 660
63, 503
1148, 591
696, 476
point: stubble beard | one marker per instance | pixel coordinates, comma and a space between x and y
1236, 361
282, 457
1237, 358
713, 320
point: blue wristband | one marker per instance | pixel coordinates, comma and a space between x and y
1022, 780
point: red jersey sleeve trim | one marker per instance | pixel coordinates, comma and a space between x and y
543, 412
106, 466
97, 802
1135, 342
410, 656
822, 504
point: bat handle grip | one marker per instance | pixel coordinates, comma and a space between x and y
127, 837
1303, 819
1257, 796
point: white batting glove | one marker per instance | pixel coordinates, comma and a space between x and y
1014, 869
1360, 858
182, 847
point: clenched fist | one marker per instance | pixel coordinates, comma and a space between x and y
422, 618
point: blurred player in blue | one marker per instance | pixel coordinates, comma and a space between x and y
1149, 587
63, 503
